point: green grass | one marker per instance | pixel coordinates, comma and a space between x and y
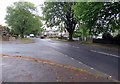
26, 40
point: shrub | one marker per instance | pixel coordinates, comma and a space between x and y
117, 37
76, 35
107, 36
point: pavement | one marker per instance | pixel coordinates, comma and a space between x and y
59, 53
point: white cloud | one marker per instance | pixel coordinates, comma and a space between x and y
5, 3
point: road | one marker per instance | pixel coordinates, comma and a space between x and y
94, 58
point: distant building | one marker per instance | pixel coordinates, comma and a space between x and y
55, 33
51, 33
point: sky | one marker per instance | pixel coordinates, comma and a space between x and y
5, 3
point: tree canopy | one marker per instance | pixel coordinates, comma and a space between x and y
93, 18
22, 19
57, 12
99, 17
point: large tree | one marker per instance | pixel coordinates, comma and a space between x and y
22, 19
99, 17
57, 12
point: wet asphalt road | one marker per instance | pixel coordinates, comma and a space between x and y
100, 59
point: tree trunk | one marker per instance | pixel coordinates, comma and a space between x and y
22, 35
70, 36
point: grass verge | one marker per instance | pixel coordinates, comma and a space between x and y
27, 40
108, 46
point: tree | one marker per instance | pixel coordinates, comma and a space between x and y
86, 13
21, 18
109, 17
99, 17
57, 12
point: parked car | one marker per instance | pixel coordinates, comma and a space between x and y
42, 37
32, 35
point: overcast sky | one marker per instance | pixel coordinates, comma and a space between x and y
5, 3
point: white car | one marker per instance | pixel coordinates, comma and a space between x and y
31, 35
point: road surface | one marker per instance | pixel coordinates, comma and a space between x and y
91, 58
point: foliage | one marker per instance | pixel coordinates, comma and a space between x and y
4, 28
98, 17
77, 34
107, 36
117, 38
57, 12
21, 18
93, 18
7, 29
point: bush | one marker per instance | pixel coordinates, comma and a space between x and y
107, 36
117, 38
76, 35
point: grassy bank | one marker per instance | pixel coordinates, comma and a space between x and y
26, 40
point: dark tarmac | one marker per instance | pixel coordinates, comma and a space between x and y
78, 56
24, 69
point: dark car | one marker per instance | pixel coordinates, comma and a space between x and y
42, 37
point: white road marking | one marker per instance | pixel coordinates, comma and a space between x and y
108, 76
80, 62
75, 47
91, 68
105, 53
66, 55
